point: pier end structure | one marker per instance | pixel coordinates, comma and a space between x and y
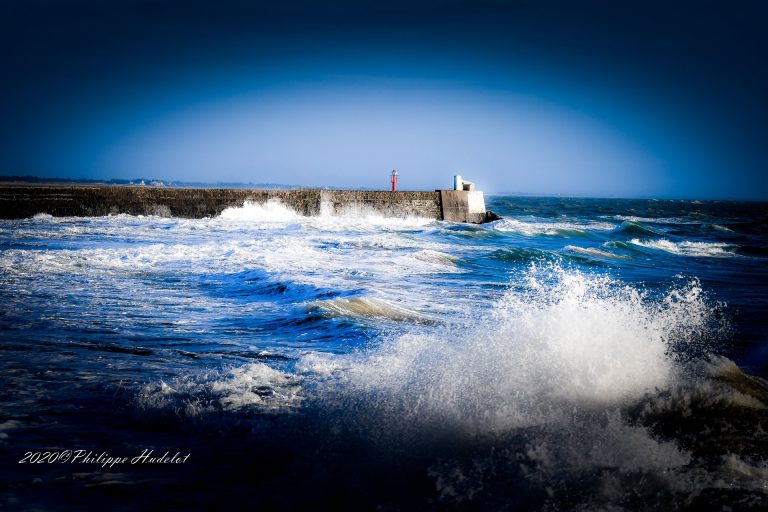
463, 206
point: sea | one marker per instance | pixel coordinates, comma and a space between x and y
578, 354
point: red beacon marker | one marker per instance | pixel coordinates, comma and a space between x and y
393, 179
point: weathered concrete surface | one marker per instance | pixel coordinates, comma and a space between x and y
86, 201
463, 206
391, 204
22, 201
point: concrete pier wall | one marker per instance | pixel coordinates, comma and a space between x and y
391, 204
22, 201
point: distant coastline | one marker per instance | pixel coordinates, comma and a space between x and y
158, 183
148, 182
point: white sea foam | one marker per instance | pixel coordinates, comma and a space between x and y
535, 228
592, 251
254, 386
375, 252
656, 220
349, 219
273, 211
688, 248
367, 221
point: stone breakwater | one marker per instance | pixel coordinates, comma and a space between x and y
22, 201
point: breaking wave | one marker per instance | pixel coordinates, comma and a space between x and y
524, 255
436, 257
271, 211
594, 252
566, 338
561, 229
688, 248
656, 220
635, 228
369, 307
351, 218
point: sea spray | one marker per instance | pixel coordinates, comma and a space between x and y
561, 339
271, 211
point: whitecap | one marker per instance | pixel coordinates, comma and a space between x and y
531, 228
369, 307
688, 248
594, 252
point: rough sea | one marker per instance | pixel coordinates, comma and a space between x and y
579, 354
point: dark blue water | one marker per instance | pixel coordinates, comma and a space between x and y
578, 354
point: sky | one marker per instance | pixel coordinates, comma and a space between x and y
629, 99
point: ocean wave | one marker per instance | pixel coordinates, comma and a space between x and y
563, 229
711, 413
724, 370
635, 228
725, 229
624, 246
538, 256
594, 252
369, 307
715, 384
524, 255
389, 241
688, 248
436, 257
656, 220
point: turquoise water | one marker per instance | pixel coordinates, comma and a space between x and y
579, 353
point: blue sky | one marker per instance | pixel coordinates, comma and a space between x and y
599, 100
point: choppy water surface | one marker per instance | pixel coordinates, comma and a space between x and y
578, 354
